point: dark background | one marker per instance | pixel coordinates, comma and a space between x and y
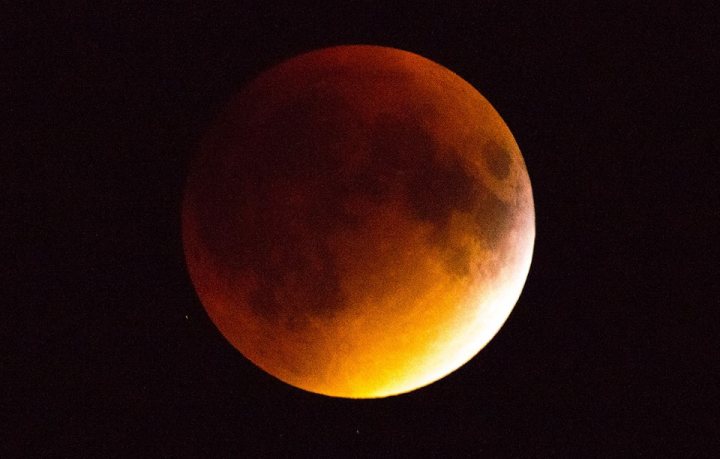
610, 349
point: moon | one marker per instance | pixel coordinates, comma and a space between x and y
358, 222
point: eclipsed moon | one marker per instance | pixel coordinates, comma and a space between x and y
359, 222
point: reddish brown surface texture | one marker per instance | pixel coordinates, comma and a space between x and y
359, 221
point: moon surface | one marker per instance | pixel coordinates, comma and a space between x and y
358, 222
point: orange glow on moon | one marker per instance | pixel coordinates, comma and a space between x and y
359, 222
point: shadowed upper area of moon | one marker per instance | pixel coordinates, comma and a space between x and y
274, 201
330, 191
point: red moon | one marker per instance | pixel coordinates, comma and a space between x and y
359, 222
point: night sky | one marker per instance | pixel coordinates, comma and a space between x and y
610, 349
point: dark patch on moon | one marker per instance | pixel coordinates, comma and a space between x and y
403, 149
436, 191
493, 218
497, 159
